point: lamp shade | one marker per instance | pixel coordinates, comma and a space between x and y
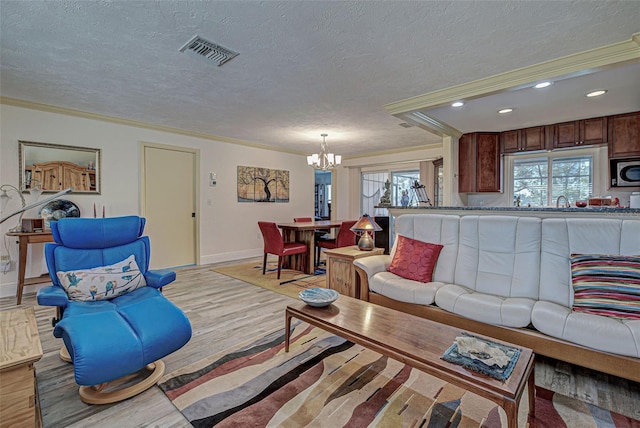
365, 225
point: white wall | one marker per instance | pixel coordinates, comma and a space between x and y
228, 229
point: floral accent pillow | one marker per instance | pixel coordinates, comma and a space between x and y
415, 259
104, 282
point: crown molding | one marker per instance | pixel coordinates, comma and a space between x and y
127, 122
430, 124
581, 63
396, 151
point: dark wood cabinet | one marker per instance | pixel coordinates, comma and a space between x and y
534, 138
580, 132
523, 140
566, 134
594, 130
624, 135
510, 141
479, 162
466, 164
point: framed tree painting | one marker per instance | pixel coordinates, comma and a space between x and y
262, 184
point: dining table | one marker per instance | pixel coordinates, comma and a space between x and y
305, 232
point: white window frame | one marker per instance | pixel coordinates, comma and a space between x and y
599, 166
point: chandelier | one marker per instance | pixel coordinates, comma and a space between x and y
324, 160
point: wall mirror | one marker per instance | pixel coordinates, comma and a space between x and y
54, 167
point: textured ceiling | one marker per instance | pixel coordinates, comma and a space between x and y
305, 67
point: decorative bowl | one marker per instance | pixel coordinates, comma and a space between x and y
318, 297
581, 204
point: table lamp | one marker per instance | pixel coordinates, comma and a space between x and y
364, 226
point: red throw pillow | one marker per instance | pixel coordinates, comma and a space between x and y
415, 259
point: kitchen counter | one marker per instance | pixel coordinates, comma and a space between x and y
605, 212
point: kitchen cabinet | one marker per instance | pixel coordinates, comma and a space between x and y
479, 165
523, 140
580, 132
624, 135
510, 141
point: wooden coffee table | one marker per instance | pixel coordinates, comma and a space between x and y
419, 343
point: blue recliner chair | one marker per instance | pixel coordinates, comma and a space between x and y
111, 315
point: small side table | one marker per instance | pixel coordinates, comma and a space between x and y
341, 273
20, 348
24, 239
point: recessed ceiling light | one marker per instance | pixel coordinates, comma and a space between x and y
542, 85
596, 93
505, 110
457, 104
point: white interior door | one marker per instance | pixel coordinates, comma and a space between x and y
169, 204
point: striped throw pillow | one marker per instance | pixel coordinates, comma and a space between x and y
606, 284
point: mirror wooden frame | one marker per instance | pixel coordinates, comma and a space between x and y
54, 167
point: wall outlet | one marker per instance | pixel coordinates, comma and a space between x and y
5, 264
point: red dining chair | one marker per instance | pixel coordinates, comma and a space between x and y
274, 244
344, 238
302, 219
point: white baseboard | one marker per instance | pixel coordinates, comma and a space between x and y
226, 257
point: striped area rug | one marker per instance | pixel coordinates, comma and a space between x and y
326, 381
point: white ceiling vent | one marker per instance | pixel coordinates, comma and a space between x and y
405, 125
209, 50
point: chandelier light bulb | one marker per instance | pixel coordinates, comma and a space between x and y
324, 160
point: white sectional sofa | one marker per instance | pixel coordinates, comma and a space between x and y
509, 277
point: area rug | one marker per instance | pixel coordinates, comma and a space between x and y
326, 381
291, 282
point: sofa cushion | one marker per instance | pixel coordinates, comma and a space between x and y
415, 259
403, 290
104, 282
606, 285
487, 308
594, 331
562, 237
499, 255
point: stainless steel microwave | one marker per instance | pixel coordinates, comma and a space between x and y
625, 172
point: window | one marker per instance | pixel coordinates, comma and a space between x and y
400, 185
401, 182
372, 190
540, 181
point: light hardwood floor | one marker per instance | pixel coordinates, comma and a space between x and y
223, 312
